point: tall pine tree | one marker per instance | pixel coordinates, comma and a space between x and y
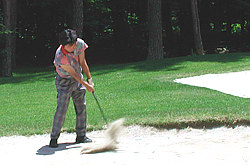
155, 44
196, 26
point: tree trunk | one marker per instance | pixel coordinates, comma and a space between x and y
196, 25
78, 16
7, 55
155, 44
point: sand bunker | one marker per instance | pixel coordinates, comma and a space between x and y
138, 145
235, 83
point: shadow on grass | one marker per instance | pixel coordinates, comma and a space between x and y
27, 75
46, 150
25, 79
170, 64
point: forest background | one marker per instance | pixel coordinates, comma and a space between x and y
120, 31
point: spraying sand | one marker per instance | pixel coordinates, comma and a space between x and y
143, 145
110, 142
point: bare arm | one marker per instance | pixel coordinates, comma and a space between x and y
77, 77
84, 65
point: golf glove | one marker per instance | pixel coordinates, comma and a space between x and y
90, 81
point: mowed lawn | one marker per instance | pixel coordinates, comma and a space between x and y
143, 93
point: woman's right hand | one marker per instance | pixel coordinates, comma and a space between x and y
90, 88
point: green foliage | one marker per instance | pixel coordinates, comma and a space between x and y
2, 27
107, 23
132, 18
4, 30
236, 28
144, 93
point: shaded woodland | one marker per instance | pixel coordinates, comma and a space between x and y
119, 31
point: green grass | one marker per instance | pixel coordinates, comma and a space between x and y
144, 93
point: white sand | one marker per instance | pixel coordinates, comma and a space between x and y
138, 145
145, 145
235, 83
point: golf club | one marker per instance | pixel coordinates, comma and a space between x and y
104, 118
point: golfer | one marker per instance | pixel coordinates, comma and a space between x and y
70, 62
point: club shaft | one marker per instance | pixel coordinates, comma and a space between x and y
103, 116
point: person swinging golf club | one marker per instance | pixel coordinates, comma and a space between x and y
70, 62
